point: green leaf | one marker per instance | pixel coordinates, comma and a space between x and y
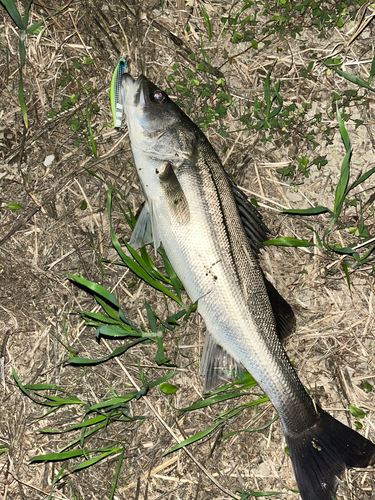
96, 289
354, 79
372, 70
53, 457
213, 400
34, 28
168, 388
117, 352
356, 412
366, 386
14, 14
207, 21
193, 439
306, 211
245, 495
361, 179
344, 175
14, 206
344, 265
118, 467
21, 99
288, 242
128, 261
112, 402
160, 380
92, 461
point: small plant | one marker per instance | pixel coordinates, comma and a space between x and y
22, 24
350, 258
81, 120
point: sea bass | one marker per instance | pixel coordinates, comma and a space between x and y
192, 208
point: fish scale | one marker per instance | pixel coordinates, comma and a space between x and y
193, 211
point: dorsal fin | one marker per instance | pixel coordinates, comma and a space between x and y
255, 229
257, 232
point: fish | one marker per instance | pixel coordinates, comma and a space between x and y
211, 235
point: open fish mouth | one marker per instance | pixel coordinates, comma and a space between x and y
133, 90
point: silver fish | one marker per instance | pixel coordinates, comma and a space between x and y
192, 209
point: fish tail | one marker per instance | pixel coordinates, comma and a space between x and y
321, 454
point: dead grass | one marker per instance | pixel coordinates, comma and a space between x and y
334, 345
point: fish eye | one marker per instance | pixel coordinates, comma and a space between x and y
159, 96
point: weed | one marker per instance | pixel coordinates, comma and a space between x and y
22, 24
350, 257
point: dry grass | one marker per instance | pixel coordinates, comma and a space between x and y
334, 345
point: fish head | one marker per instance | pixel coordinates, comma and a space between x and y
158, 128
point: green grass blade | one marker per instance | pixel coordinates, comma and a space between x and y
245, 494
117, 352
54, 457
96, 289
112, 402
14, 14
267, 94
208, 23
115, 478
94, 460
151, 317
288, 242
306, 211
363, 177
344, 265
92, 140
344, 175
134, 266
161, 380
372, 71
354, 79
21, 100
251, 429
343, 132
26, 13
214, 400
57, 478
193, 439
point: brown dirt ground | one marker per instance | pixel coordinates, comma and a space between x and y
334, 344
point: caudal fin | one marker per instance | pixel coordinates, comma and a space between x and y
321, 454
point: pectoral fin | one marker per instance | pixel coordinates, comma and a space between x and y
176, 200
146, 228
142, 232
217, 366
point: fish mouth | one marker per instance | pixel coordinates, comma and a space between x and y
133, 90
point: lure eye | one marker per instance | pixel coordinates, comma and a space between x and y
159, 96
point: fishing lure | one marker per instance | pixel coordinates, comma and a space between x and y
116, 94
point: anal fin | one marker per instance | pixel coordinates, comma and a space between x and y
217, 365
284, 315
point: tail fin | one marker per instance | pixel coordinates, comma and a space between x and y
321, 454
